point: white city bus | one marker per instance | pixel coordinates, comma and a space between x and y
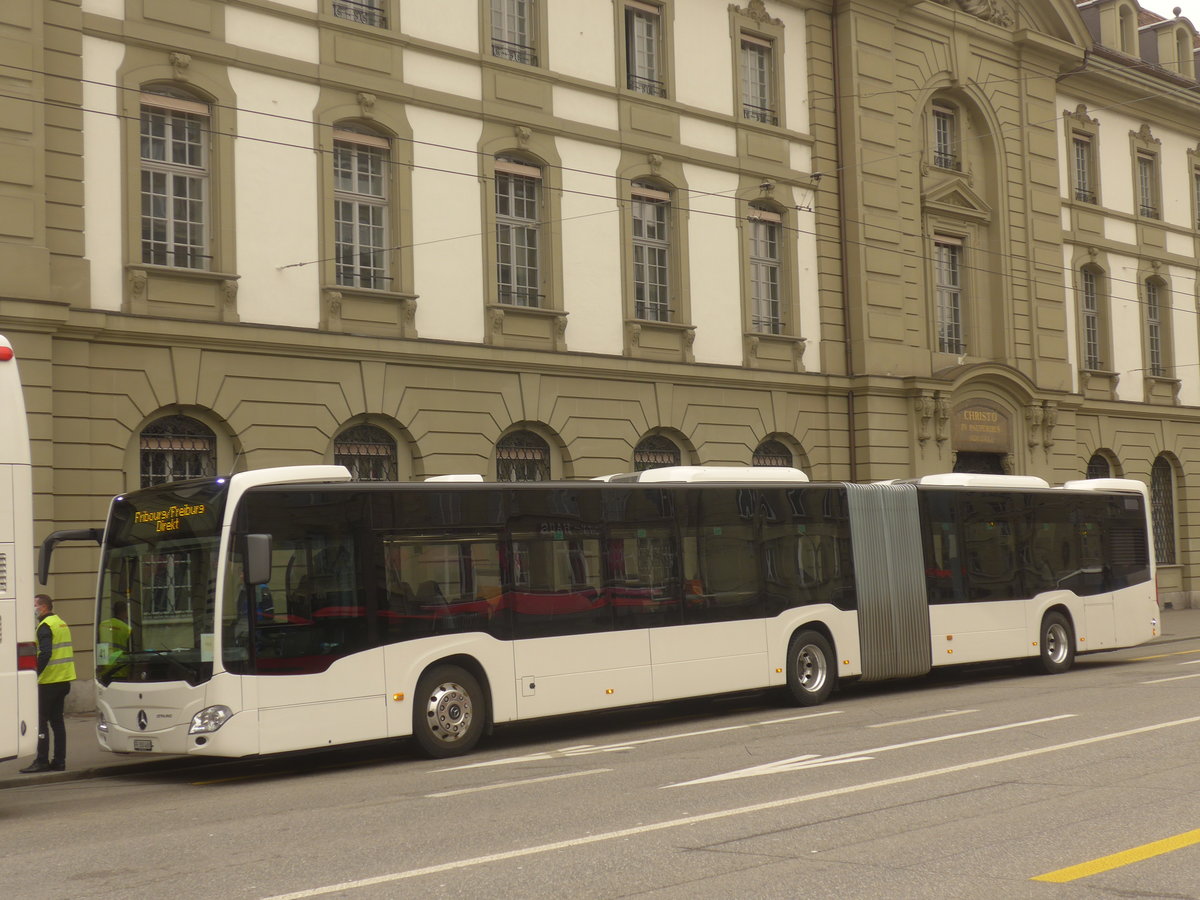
18, 651
283, 609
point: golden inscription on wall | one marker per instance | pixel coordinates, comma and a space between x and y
981, 427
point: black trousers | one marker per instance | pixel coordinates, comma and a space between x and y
51, 698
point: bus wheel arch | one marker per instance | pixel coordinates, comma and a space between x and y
1056, 641
811, 665
451, 707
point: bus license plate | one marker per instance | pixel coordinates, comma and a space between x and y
143, 744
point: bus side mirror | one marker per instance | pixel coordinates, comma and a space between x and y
258, 558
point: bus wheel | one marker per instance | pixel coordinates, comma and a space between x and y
1057, 643
810, 668
449, 711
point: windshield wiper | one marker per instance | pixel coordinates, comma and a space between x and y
172, 661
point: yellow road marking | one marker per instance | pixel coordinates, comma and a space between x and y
1124, 858
1163, 655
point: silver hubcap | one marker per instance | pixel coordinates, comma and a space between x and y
449, 712
1056, 643
811, 668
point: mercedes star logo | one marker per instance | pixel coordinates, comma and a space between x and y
143, 719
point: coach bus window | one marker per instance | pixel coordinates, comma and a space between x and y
989, 522
943, 558
807, 556
557, 579
313, 610
641, 558
436, 584
1128, 552
720, 558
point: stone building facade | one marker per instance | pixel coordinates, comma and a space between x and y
563, 238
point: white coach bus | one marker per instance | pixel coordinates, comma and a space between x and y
290, 608
18, 651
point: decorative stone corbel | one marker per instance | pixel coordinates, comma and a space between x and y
924, 406
942, 417
1049, 420
1033, 418
366, 104
655, 160
180, 62
138, 279
523, 134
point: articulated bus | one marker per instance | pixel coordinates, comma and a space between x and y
290, 608
18, 651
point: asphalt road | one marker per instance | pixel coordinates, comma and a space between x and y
965, 784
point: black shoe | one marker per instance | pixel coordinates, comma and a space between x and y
57, 766
38, 765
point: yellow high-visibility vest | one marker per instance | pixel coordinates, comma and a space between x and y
62, 657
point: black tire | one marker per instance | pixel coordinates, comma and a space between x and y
811, 668
1057, 644
449, 712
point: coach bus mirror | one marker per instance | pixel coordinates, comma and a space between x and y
47, 549
258, 558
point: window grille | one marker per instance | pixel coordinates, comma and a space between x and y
175, 448
655, 452
513, 31
772, 453
522, 456
1098, 467
365, 12
1162, 510
368, 452
643, 51
757, 96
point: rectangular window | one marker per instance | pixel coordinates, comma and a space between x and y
518, 213
651, 254
365, 12
360, 186
1147, 179
948, 259
1154, 331
1196, 194
1090, 311
174, 182
758, 101
945, 138
643, 49
513, 35
766, 316
1085, 191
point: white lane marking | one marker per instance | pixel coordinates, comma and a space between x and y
521, 783
1191, 662
587, 749
1173, 678
721, 813
813, 761
953, 712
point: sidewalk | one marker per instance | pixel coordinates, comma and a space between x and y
85, 758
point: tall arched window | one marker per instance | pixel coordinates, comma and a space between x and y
177, 447
1099, 467
772, 453
1162, 509
367, 451
655, 452
522, 456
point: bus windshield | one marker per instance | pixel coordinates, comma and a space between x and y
154, 619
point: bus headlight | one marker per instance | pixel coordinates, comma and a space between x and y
102, 724
209, 720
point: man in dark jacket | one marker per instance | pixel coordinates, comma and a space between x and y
56, 671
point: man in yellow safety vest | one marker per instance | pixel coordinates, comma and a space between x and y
56, 671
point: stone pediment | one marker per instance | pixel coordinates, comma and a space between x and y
955, 198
